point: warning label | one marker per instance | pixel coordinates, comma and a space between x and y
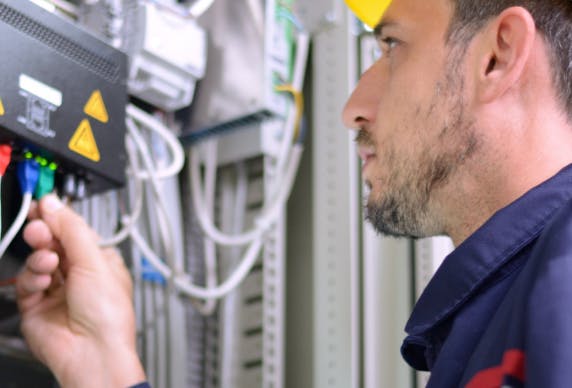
83, 142
95, 107
2, 111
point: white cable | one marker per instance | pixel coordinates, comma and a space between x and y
164, 226
204, 220
17, 224
149, 254
128, 222
239, 274
183, 283
233, 281
302, 47
174, 144
268, 216
286, 165
199, 7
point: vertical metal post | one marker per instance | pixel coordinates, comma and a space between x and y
337, 346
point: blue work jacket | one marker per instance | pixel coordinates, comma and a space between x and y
498, 312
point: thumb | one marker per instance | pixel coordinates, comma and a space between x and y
77, 239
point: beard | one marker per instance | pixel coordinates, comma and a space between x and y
406, 207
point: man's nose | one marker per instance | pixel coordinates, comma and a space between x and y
361, 108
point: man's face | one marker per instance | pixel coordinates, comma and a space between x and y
415, 131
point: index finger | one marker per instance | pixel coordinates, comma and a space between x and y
78, 241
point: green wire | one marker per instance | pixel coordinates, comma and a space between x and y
285, 6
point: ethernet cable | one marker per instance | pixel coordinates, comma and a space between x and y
178, 154
164, 226
128, 222
268, 216
28, 173
182, 281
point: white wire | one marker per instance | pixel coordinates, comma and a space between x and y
302, 47
289, 160
233, 281
199, 7
286, 166
128, 222
268, 216
178, 154
204, 220
164, 225
17, 224
183, 283
149, 254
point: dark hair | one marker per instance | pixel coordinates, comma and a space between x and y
553, 19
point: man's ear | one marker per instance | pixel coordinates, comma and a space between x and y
506, 46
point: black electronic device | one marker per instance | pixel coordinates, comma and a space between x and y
63, 94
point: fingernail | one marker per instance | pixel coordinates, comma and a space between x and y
51, 203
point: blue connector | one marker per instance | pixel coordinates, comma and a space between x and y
28, 175
150, 274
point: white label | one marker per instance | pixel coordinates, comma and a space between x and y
41, 90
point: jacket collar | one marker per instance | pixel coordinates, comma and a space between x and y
487, 250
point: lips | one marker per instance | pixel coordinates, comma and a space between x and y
366, 153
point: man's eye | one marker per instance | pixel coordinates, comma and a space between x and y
386, 45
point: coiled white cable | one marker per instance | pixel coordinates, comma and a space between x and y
268, 216
183, 283
164, 225
178, 154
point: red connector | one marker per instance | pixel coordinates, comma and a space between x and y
5, 156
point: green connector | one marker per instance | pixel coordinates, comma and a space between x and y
46, 180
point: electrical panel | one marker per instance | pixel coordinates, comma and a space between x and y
63, 95
250, 52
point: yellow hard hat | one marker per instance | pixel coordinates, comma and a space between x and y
369, 11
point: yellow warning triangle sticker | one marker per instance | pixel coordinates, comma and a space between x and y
95, 107
83, 142
2, 111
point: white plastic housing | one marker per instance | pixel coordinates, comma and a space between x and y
168, 59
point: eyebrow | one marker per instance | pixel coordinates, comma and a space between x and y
378, 30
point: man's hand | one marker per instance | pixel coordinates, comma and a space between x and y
76, 302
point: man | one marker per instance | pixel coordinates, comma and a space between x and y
465, 129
